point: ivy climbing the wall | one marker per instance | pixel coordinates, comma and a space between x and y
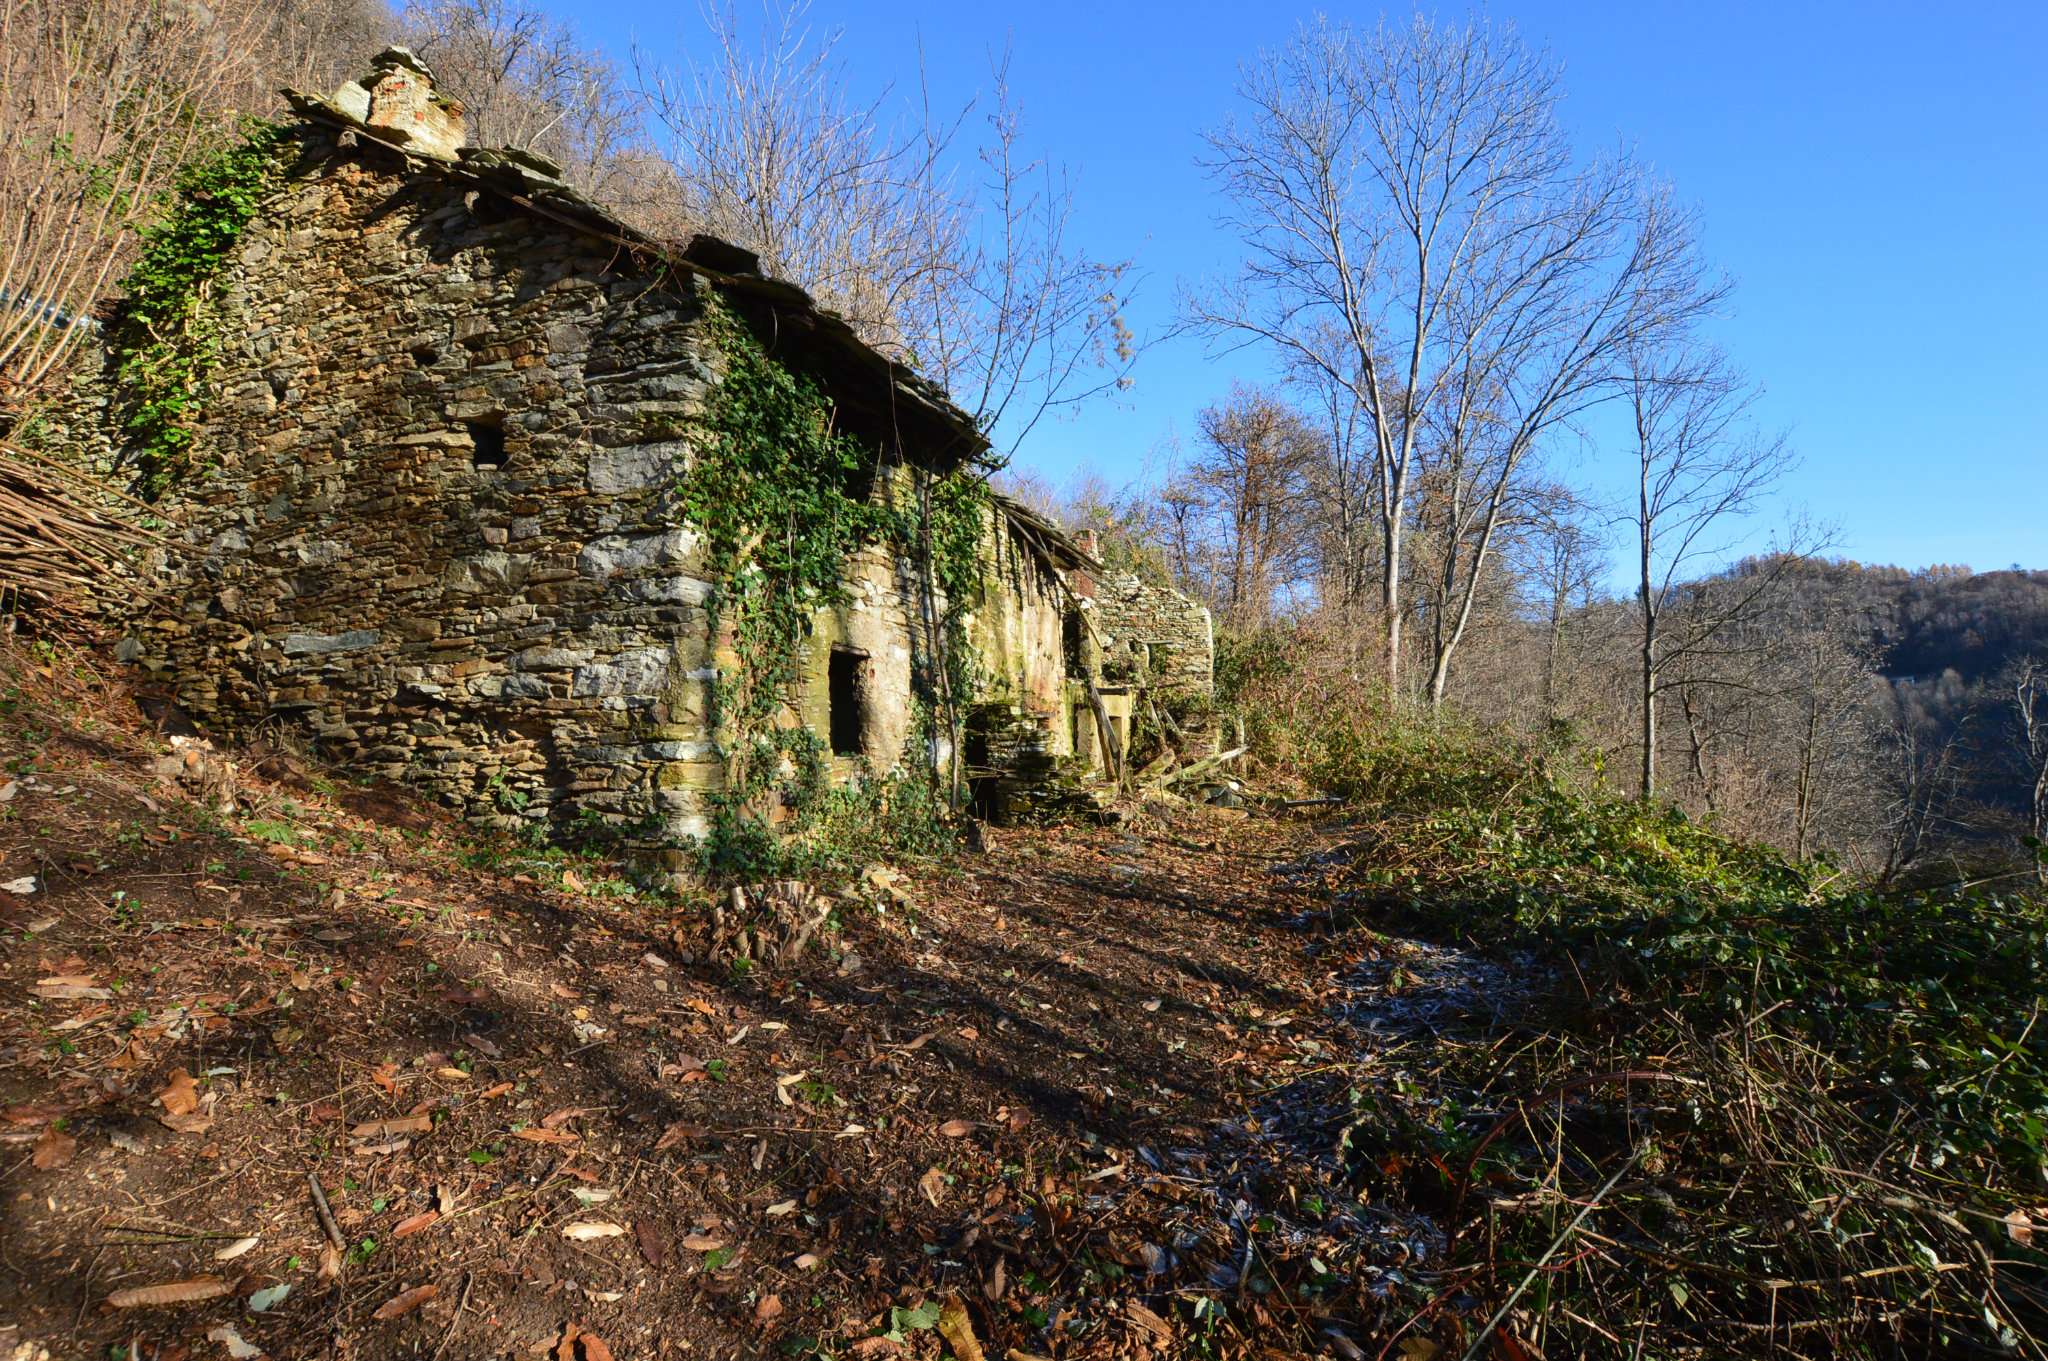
170, 335
954, 517
780, 494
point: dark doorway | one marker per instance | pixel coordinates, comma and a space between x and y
847, 681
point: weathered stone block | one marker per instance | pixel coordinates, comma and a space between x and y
641, 672
551, 658
616, 553
315, 644
637, 467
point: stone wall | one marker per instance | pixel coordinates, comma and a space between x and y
1018, 633
437, 533
1152, 635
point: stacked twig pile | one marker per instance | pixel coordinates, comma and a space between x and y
65, 539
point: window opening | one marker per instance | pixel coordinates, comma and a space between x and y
487, 439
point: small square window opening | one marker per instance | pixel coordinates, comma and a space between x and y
487, 440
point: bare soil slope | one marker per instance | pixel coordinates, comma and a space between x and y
1026, 1096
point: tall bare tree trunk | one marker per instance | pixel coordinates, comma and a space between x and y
1553, 646
1647, 592
2030, 696
1802, 813
2041, 823
1647, 788
1390, 605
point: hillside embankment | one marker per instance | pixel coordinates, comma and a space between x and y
1477, 1066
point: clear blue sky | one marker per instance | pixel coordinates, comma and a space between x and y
1874, 176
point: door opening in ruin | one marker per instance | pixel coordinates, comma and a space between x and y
976, 758
845, 681
487, 440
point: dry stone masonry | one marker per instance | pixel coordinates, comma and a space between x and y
1157, 636
438, 530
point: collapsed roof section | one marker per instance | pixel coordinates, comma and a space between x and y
1055, 547
397, 108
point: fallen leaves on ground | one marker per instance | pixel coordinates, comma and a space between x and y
407, 1124
405, 1301
169, 1293
53, 1149
239, 1347
958, 1330
1148, 1320
584, 1230
180, 1095
377, 976
578, 1345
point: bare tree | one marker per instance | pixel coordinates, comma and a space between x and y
102, 103
2030, 707
1344, 494
1927, 770
317, 44
1832, 695
1033, 490
1558, 562
1699, 468
772, 150
525, 81
1248, 490
1409, 192
959, 264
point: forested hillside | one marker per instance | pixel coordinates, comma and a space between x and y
1957, 648
1922, 622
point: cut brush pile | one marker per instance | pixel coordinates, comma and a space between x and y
63, 538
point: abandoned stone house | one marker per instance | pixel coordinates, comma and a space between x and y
437, 533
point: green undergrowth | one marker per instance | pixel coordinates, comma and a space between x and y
1825, 1105
837, 829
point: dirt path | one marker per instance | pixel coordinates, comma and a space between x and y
1071, 1083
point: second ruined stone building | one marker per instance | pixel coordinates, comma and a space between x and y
436, 527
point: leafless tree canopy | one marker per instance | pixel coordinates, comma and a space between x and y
526, 81
1420, 238
1700, 465
957, 258
101, 103
1246, 497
